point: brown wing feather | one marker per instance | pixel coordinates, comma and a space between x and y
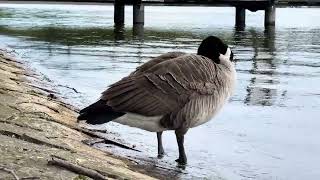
157, 60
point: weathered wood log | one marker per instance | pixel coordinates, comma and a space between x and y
76, 168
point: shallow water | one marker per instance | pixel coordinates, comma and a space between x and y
268, 130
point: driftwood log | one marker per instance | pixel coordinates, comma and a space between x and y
76, 168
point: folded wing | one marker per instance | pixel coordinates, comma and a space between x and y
157, 60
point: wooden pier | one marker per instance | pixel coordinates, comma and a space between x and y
268, 6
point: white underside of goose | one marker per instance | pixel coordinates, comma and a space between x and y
152, 123
148, 123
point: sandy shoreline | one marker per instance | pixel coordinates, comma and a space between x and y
35, 126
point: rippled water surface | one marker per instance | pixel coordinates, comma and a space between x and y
268, 130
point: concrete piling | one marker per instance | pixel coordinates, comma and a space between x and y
270, 16
240, 17
118, 12
138, 14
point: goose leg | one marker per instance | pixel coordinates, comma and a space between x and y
182, 155
160, 147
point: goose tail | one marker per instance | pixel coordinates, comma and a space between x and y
98, 113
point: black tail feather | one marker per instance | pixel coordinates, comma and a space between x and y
98, 113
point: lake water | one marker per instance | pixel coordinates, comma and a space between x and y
268, 130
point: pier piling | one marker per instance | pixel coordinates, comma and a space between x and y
270, 16
138, 14
118, 12
240, 17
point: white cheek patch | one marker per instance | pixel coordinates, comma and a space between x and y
226, 56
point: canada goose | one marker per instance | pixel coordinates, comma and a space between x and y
174, 91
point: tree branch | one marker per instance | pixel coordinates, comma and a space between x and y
9, 171
76, 168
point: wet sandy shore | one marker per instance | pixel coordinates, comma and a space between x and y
37, 126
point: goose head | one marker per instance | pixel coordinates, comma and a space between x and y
215, 49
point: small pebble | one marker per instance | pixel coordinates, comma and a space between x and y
52, 96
